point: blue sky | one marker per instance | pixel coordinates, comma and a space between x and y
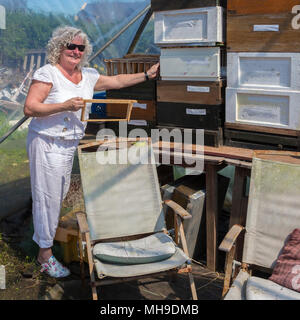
65, 6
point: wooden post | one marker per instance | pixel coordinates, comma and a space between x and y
239, 204
211, 215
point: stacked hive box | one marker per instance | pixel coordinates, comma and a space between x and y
263, 93
144, 111
190, 93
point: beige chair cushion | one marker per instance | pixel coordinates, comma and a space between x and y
150, 249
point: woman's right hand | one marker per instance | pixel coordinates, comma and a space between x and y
74, 104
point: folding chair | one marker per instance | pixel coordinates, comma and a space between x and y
123, 225
273, 213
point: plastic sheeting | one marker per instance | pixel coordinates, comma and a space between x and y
25, 27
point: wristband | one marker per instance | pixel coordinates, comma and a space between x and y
146, 76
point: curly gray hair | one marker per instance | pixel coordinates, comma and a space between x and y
61, 36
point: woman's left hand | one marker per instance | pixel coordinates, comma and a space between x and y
153, 72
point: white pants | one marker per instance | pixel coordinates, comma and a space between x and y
50, 161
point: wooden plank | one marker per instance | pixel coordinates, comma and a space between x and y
222, 151
254, 128
261, 6
211, 216
212, 138
238, 213
159, 5
261, 140
129, 63
241, 36
141, 91
200, 92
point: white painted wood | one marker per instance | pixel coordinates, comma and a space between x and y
196, 26
278, 109
272, 70
197, 63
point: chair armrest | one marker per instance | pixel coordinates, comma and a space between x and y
178, 209
82, 223
230, 238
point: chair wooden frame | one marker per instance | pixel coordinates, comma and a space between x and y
237, 232
180, 214
117, 101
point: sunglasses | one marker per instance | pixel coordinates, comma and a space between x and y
73, 46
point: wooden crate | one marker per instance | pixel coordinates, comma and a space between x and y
142, 110
193, 63
161, 5
201, 92
199, 26
187, 192
213, 138
261, 138
132, 63
271, 70
141, 91
267, 108
263, 26
190, 115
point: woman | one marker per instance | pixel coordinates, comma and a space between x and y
54, 100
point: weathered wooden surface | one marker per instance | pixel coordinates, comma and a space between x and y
201, 92
260, 6
247, 127
222, 153
159, 5
142, 91
211, 215
242, 15
261, 140
212, 138
130, 64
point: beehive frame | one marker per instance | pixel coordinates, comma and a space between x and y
117, 101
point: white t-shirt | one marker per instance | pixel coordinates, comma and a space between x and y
66, 124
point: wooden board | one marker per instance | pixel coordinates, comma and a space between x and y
201, 92
130, 64
246, 127
142, 91
212, 138
222, 152
190, 115
244, 16
142, 110
260, 140
160, 5
260, 6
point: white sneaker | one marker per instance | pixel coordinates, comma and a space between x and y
54, 268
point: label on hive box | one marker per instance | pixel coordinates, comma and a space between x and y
266, 27
260, 114
138, 122
140, 105
196, 112
197, 89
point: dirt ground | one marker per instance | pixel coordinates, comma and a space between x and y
25, 282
